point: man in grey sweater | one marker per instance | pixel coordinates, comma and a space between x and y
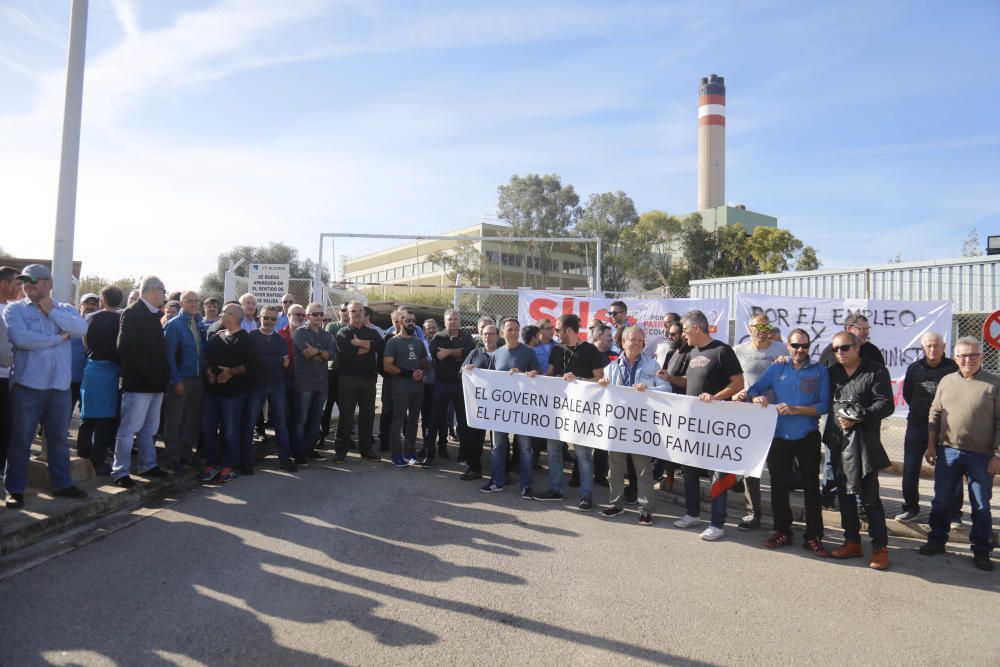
964, 439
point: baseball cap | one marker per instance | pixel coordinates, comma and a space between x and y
36, 271
88, 296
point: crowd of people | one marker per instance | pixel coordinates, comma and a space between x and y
208, 377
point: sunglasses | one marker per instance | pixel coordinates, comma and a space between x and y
297, 315
841, 348
28, 279
616, 312
343, 310
972, 355
799, 346
761, 327
315, 314
269, 319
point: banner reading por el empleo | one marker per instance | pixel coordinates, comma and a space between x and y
721, 435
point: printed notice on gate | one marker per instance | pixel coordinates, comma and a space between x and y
721, 435
269, 282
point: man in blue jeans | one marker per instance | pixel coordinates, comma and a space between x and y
270, 359
313, 347
572, 360
714, 374
39, 330
964, 439
512, 358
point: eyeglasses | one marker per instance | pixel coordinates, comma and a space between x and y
616, 313
761, 326
838, 349
971, 355
287, 302
672, 334
269, 319
799, 346
409, 321
297, 315
315, 314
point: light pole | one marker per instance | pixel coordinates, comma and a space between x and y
62, 254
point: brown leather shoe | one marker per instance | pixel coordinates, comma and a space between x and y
777, 540
880, 559
848, 550
816, 548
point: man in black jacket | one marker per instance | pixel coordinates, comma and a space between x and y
919, 386
144, 374
358, 348
862, 397
449, 348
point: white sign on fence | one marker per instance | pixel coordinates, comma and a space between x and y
532, 305
268, 282
722, 435
896, 326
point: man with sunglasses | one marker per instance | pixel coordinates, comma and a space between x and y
756, 355
314, 347
861, 391
39, 331
405, 361
800, 390
964, 440
660, 346
333, 375
287, 302
269, 360
619, 320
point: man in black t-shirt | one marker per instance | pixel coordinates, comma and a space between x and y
713, 374
358, 347
572, 360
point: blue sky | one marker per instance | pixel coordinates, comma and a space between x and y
867, 128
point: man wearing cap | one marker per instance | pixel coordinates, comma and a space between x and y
144, 374
39, 331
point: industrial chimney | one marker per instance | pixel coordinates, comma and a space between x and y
712, 142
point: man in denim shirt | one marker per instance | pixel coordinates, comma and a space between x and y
39, 331
801, 392
185, 340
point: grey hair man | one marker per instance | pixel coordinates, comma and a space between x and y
185, 339
964, 440
145, 373
919, 386
249, 303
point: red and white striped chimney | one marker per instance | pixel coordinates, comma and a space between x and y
712, 142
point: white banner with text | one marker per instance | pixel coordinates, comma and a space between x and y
896, 326
723, 436
533, 305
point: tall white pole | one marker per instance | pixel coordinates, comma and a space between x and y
62, 254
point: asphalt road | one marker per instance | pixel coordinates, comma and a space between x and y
366, 564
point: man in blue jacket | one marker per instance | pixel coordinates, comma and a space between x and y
185, 341
39, 331
801, 392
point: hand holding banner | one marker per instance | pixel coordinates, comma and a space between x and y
722, 435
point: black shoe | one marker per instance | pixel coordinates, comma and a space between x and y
15, 501
246, 469
301, 461
426, 461
585, 505
154, 472
371, 456
125, 482
645, 518
470, 474
443, 453
526, 494
601, 481
102, 470
337, 458
931, 548
287, 465
315, 456
548, 495
981, 559
752, 523
70, 492
611, 512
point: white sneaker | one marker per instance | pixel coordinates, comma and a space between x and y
712, 533
749, 517
687, 521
